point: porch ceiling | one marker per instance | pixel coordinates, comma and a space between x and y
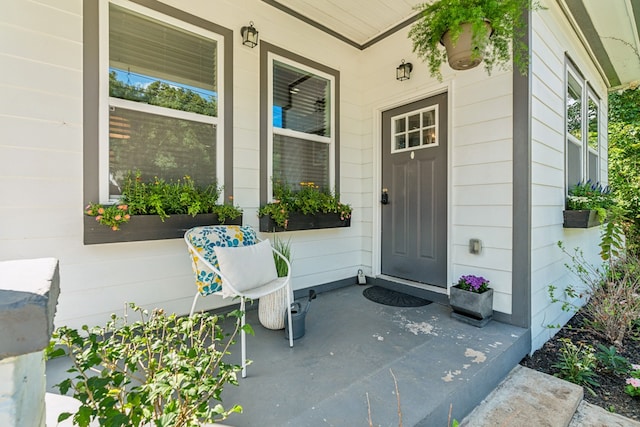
357, 22
608, 29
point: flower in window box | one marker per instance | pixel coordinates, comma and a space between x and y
110, 215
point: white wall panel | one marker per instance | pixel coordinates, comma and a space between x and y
551, 40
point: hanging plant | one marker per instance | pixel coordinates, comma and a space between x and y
497, 29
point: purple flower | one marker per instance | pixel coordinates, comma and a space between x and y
473, 283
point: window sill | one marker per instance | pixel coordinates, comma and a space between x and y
580, 219
299, 221
148, 227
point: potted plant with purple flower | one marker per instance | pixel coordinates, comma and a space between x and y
472, 300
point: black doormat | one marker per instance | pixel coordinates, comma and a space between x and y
393, 298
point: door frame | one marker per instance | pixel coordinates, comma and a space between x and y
400, 100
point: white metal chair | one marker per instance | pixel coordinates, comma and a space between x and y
230, 260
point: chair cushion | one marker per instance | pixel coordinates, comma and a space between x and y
204, 239
247, 267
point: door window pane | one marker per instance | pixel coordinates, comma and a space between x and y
417, 129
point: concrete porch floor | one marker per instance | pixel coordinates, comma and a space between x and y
346, 356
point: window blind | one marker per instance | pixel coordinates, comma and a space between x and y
149, 47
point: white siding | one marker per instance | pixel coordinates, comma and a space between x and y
551, 39
41, 161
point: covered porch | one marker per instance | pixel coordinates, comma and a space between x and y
349, 355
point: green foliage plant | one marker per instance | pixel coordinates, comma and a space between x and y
162, 198
160, 370
309, 200
577, 364
611, 292
609, 359
624, 158
284, 247
591, 196
506, 18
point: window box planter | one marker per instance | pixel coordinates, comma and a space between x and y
471, 307
149, 227
299, 221
580, 218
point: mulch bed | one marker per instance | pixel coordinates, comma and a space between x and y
610, 393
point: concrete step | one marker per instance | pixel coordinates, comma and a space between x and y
527, 398
589, 415
530, 398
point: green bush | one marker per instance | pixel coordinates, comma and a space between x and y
160, 370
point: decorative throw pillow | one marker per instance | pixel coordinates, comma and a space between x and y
247, 267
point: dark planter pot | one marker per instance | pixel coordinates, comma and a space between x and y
148, 227
580, 219
298, 221
471, 307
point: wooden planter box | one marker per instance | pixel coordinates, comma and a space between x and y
149, 227
298, 221
580, 219
471, 307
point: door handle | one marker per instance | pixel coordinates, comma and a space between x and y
385, 197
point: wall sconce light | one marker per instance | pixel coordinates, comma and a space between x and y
403, 72
249, 35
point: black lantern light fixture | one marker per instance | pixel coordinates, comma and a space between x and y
249, 35
403, 72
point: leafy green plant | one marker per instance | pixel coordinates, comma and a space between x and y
504, 16
162, 198
611, 361
309, 200
590, 196
285, 249
611, 293
577, 364
161, 369
624, 159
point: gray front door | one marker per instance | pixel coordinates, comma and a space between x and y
414, 191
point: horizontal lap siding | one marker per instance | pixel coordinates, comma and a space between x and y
482, 181
551, 39
41, 162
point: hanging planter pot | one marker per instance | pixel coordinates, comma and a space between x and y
464, 54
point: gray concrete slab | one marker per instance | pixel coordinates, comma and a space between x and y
589, 415
527, 398
341, 369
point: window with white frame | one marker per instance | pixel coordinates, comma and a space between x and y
417, 129
160, 98
301, 125
583, 136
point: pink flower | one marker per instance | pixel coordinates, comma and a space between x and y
635, 382
118, 217
127, 216
635, 367
100, 211
99, 217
